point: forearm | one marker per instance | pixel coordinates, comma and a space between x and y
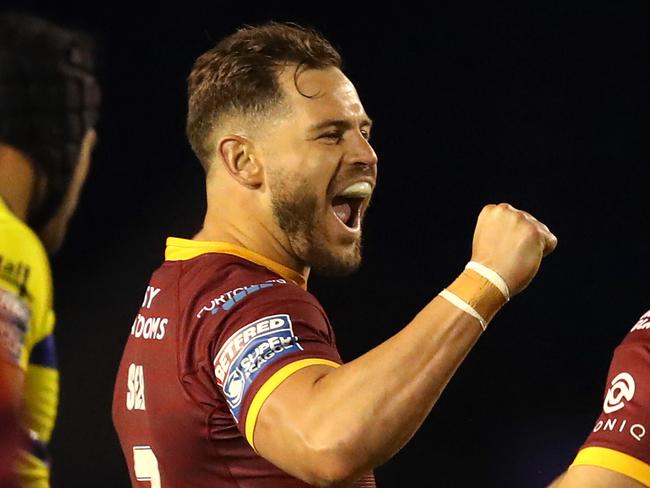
370, 407
355, 417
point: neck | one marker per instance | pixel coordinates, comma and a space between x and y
16, 180
223, 223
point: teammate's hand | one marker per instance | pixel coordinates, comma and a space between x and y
512, 243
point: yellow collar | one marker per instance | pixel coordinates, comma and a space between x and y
183, 249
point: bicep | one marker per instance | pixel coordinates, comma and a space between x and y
286, 425
595, 477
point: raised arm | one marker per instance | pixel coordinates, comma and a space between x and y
329, 425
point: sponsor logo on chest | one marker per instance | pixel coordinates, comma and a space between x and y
149, 327
620, 393
227, 300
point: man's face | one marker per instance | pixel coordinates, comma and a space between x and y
321, 169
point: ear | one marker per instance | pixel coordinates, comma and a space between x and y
239, 157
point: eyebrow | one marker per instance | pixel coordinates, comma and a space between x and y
339, 123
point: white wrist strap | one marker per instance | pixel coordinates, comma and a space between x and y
465, 307
492, 276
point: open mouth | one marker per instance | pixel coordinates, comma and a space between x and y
348, 210
347, 205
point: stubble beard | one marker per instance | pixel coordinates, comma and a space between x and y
297, 212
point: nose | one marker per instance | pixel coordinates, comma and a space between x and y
360, 152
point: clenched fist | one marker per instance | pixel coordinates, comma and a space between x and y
512, 243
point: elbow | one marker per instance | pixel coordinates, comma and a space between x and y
335, 467
331, 475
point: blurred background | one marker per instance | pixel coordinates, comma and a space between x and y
539, 104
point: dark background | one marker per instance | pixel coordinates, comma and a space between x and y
540, 105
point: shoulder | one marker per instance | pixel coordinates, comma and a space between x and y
218, 284
636, 341
619, 441
249, 302
22, 256
641, 328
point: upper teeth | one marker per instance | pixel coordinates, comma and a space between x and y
362, 189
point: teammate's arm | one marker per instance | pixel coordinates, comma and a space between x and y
328, 425
594, 477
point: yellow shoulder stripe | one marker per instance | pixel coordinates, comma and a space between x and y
271, 384
615, 461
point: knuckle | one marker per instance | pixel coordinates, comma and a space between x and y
533, 232
519, 218
485, 212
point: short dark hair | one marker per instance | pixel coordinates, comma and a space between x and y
240, 75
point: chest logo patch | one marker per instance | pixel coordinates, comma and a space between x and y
621, 391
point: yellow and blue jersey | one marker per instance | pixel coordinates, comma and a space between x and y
26, 340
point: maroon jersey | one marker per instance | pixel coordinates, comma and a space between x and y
620, 440
219, 329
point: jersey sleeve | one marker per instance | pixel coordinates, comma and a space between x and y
262, 343
619, 440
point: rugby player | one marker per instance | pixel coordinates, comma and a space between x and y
617, 452
230, 376
48, 107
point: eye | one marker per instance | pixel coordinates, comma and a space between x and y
332, 137
366, 134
